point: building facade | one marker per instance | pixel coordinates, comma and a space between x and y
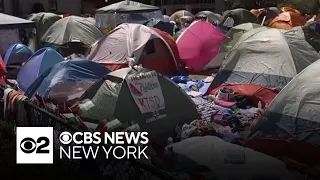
168, 7
20, 7
76, 7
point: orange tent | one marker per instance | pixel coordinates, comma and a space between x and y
288, 19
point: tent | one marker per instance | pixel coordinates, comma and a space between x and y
209, 16
163, 26
37, 64
111, 16
15, 56
198, 46
234, 34
179, 14
124, 7
210, 157
239, 16
12, 22
152, 48
311, 36
267, 57
112, 98
44, 20
67, 80
292, 120
75, 29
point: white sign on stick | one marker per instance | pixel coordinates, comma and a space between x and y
146, 91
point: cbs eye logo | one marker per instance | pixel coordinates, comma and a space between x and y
29, 145
65, 138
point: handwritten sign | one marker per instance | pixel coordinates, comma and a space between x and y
146, 91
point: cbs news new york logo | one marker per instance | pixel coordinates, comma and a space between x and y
34, 145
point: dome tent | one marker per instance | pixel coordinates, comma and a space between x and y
44, 20
199, 45
111, 98
67, 80
292, 121
152, 48
37, 64
267, 57
15, 56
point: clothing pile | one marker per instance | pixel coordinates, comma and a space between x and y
225, 115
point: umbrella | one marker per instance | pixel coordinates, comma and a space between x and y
75, 29
177, 15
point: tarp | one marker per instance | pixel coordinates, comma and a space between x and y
295, 112
239, 16
38, 63
44, 20
124, 7
75, 29
199, 44
111, 98
141, 43
12, 22
15, 56
267, 57
67, 80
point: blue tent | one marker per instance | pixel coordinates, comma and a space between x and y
67, 80
13, 59
17, 54
38, 63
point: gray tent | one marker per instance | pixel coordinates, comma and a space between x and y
44, 21
111, 98
295, 112
72, 29
127, 7
12, 22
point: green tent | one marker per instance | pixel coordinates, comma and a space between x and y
127, 7
44, 21
235, 33
239, 16
72, 29
112, 98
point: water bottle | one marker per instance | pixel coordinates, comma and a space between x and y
259, 105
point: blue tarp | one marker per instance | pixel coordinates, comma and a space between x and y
17, 54
67, 80
38, 63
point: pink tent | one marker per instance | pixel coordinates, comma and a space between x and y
199, 45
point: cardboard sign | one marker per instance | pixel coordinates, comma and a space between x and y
146, 92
